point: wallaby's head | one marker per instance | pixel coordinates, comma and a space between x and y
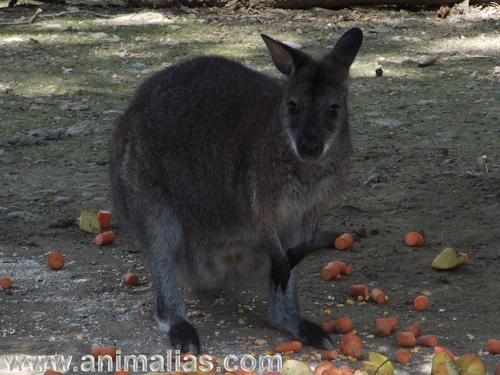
313, 111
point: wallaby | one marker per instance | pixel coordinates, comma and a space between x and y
221, 172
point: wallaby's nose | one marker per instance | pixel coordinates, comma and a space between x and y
310, 147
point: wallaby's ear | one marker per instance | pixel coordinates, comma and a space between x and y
286, 58
347, 46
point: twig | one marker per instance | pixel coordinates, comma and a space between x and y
45, 16
36, 15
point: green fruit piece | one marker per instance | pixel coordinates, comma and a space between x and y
442, 364
380, 362
447, 259
469, 363
89, 222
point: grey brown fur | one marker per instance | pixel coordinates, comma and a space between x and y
220, 171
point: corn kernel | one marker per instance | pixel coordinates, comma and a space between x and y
386, 297
337, 277
314, 352
259, 342
386, 314
370, 337
328, 312
353, 360
360, 299
304, 356
241, 321
270, 352
241, 311
343, 358
349, 302
253, 353
367, 297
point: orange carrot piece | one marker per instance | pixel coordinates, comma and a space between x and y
358, 290
50, 372
292, 346
5, 283
378, 296
384, 327
414, 239
402, 356
331, 270
329, 355
332, 371
325, 365
347, 338
271, 373
240, 371
429, 341
344, 242
421, 303
345, 269
342, 325
104, 218
346, 370
415, 329
104, 238
55, 260
130, 278
465, 256
353, 349
100, 351
392, 321
493, 346
122, 372
406, 339
497, 371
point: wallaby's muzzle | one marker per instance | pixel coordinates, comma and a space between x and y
310, 149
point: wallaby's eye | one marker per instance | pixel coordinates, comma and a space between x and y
293, 107
334, 109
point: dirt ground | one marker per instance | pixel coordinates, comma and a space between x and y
426, 159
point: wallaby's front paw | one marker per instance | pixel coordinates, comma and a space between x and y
280, 274
311, 334
183, 336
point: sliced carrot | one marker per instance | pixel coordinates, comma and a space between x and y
353, 349
325, 365
271, 373
55, 260
104, 238
384, 327
402, 356
344, 242
392, 321
329, 355
240, 371
406, 339
439, 349
429, 341
5, 283
332, 371
292, 346
345, 269
421, 303
493, 346
50, 372
348, 338
130, 278
414, 239
100, 351
465, 256
346, 370
358, 290
122, 372
415, 329
104, 218
331, 270
378, 296
342, 325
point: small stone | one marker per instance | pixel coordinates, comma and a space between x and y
23, 215
62, 200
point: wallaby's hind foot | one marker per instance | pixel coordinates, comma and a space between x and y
311, 334
283, 313
183, 336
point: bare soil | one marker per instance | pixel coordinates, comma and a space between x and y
426, 159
